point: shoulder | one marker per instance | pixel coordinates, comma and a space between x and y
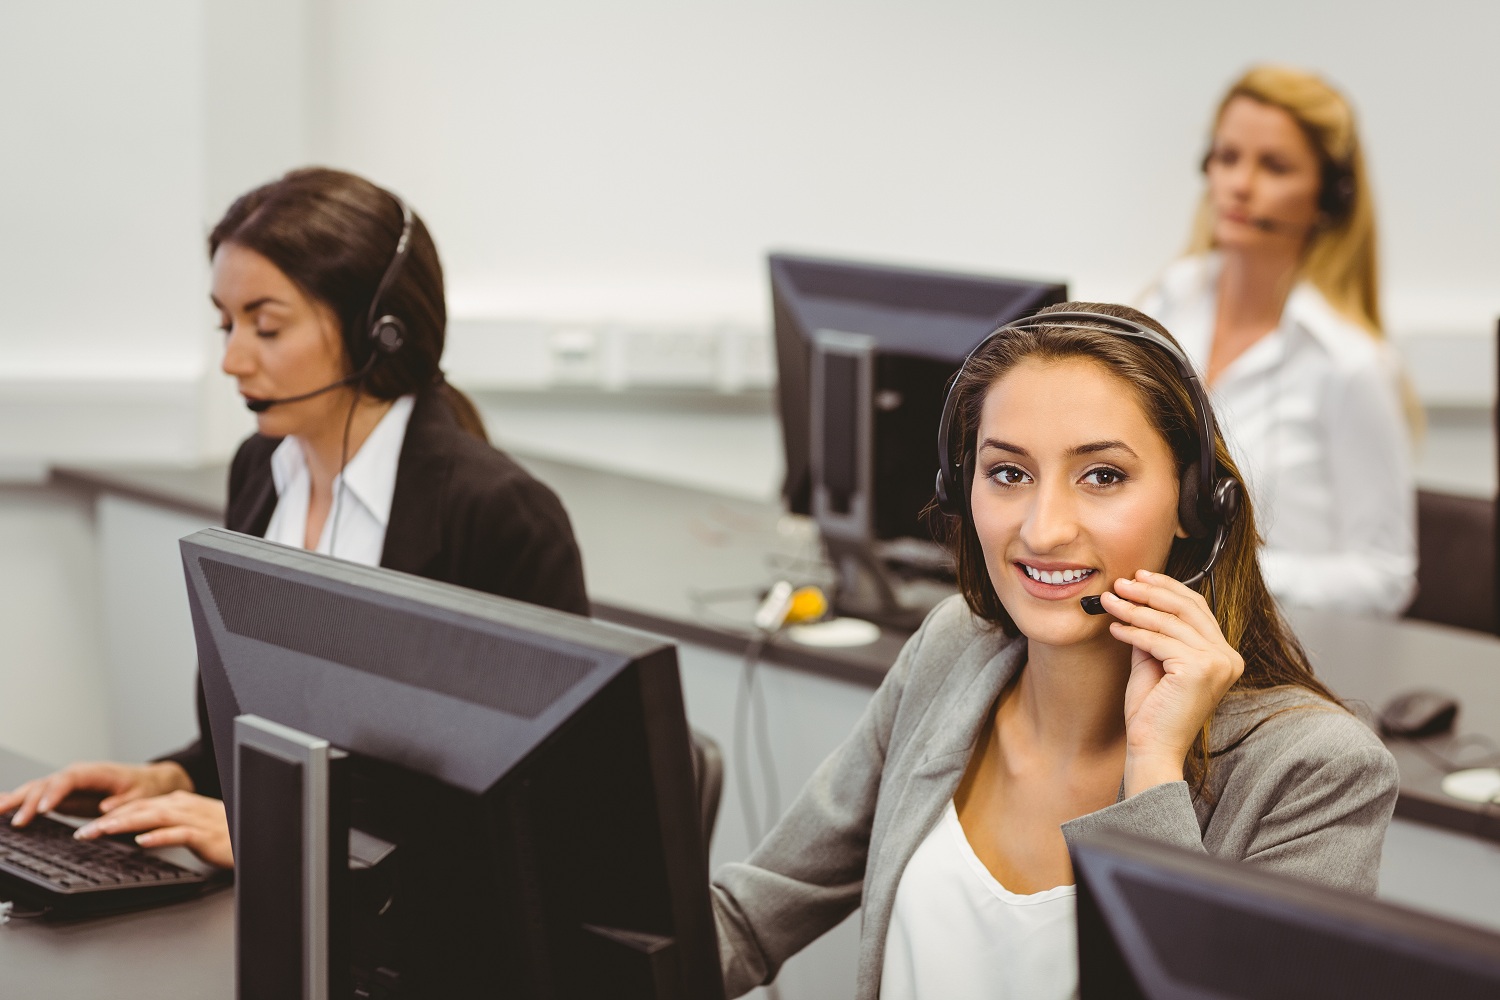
1350, 350
950, 650
481, 480
951, 631
1287, 735
487, 480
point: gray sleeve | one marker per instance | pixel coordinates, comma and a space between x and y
1328, 825
1322, 821
807, 875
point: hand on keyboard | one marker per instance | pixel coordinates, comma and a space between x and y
122, 783
178, 818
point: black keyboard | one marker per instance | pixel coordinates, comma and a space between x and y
65, 873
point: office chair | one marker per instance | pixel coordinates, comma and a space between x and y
1455, 562
708, 773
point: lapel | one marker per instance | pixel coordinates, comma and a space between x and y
250, 511
414, 536
949, 729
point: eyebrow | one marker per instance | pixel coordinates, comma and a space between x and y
1093, 448
264, 300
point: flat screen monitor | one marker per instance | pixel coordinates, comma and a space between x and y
1157, 922
527, 772
864, 354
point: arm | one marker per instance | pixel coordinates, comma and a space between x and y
1367, 453
808, 874
1321, 821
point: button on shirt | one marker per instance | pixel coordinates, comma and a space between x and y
362, 493
1312, 414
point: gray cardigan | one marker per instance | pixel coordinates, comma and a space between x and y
1309, 793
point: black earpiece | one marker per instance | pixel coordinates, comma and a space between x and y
1207, 504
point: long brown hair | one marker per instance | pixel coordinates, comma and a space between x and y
1246, 612
333, 234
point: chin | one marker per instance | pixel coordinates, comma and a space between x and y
1063, 623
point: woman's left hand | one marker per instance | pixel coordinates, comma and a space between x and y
1180, 668
177, 818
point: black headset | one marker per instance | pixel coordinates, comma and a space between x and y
387, 333
1335, 190
1207, 503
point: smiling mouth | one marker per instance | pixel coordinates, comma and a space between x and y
1056, 577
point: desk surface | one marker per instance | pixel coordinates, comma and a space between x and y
687, 563
181, 951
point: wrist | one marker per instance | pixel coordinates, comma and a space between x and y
169, 776
1145, 771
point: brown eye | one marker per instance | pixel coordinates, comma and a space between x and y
1104, 477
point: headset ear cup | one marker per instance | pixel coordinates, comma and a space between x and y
387, 335
1187, 504
944, 501
1226, 500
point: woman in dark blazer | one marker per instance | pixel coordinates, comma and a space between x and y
331, 299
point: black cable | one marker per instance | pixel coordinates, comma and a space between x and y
338, 490
742, 703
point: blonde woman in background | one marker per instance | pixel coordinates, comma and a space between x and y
1277, 304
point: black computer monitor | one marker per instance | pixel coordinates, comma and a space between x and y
864, 354
1158, 922
532, 770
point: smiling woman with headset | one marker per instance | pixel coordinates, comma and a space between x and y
330, 295
1114, 662
1277, 304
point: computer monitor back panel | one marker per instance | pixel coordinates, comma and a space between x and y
1159, 923
921, 325
532, 767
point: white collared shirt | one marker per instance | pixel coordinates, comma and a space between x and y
1312, 414
362, 492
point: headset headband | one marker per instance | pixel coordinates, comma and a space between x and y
403, 247
951, 472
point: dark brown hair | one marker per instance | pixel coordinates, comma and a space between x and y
1247, 613
333, 234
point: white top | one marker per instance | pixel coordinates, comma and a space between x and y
362, 492
1312, 415
956, 933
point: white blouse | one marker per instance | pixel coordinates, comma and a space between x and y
956, 933
362, 492
1312, 414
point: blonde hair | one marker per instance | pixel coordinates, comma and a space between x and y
1340, 258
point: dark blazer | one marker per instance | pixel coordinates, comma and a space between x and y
462, 512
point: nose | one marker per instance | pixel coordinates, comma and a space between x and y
1052, 519
239, 353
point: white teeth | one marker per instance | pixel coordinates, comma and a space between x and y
1056, 576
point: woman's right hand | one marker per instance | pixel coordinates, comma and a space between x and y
121, 783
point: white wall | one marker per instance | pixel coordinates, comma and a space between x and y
52, 684
606, 178
598, 160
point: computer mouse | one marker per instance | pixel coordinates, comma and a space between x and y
1414, 714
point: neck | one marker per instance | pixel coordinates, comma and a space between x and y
1072, 699
324, 447
1254, 285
